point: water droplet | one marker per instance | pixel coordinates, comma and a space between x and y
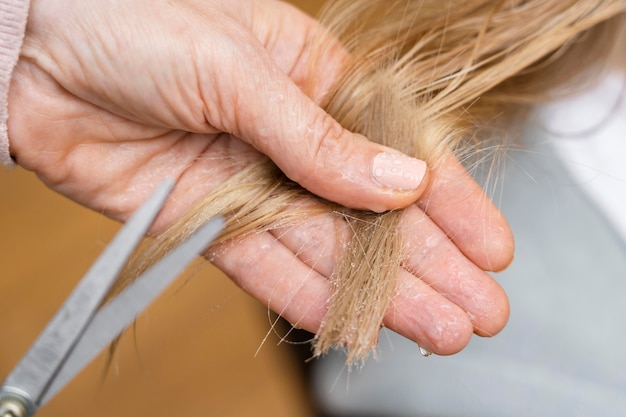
425, 352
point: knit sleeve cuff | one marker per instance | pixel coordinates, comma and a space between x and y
13, 16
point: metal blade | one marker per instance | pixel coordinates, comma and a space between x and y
33, 374
114, 317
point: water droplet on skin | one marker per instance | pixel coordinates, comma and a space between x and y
425, 352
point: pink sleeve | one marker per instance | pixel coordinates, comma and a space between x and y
13, 15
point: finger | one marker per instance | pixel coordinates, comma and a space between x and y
421, 314
267, 270
316, 242
417, 311
433, 257
458, 205
430, 255
261, 104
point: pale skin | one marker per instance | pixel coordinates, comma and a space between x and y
109, 98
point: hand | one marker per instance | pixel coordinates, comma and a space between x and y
443, 294
111, 97
160, 70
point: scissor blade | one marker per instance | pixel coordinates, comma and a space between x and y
115, 316
34, 373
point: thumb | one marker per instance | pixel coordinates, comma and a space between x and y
314, 150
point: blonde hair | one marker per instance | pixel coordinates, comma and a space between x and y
426, 77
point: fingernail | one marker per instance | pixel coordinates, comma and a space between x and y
398, 171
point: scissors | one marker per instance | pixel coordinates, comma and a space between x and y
82, 328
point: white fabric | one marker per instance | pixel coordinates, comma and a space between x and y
589, 133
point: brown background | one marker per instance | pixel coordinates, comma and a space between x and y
200, 350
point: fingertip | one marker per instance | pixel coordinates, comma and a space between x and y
493, 314
493, 249
364, 175
457, 333
502, 248
433, 322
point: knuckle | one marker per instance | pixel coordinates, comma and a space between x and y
327, 139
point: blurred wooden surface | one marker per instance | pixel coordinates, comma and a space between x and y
193, 353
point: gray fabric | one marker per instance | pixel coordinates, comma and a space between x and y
563, 351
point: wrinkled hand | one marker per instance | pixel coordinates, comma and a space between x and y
111, 97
